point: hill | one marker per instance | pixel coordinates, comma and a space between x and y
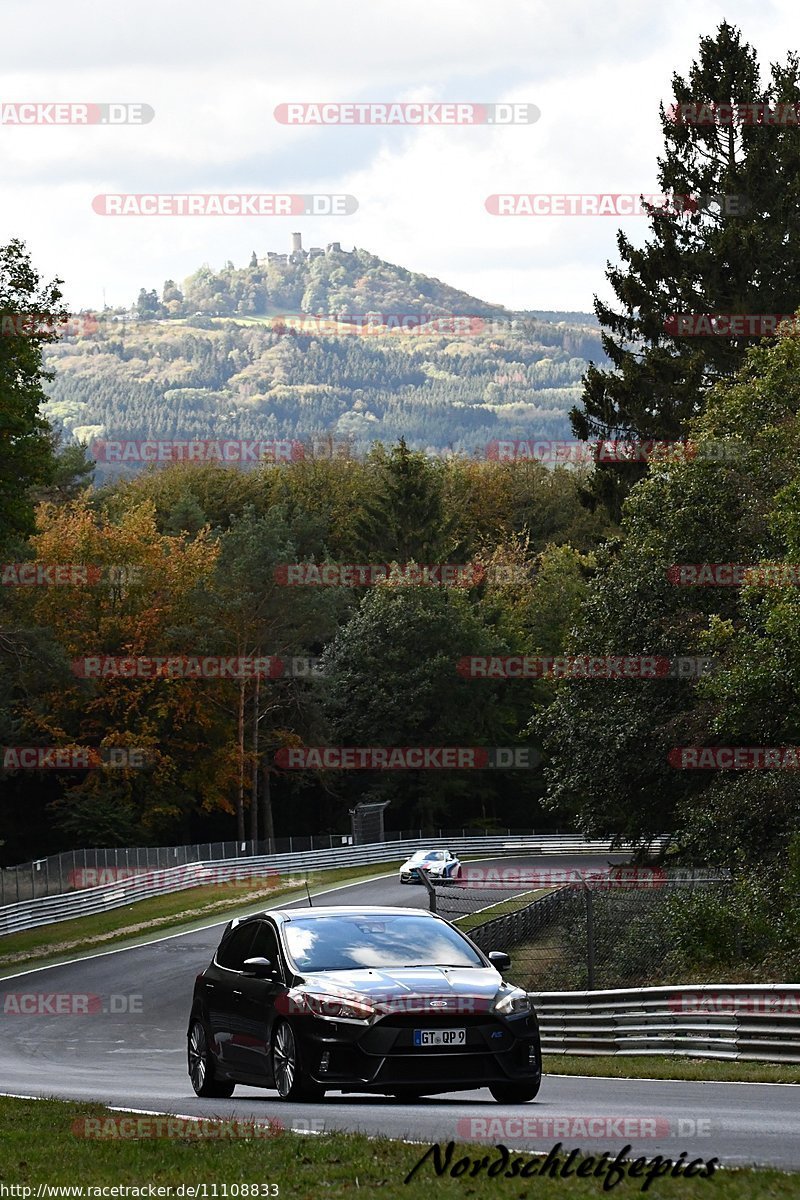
378, 352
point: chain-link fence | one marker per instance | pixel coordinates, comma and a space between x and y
598, 929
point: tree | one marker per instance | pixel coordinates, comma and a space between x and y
404, 519
247, 613
29, 315
148, 305
609, 740
72, 472
144, 588
391, 680
726, 257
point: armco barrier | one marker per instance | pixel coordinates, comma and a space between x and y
30, 913
56, 873
749, 1022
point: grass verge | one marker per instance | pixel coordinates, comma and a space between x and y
159, 913
473, 920
41, 1146
646, 1066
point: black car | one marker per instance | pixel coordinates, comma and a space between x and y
386, 1000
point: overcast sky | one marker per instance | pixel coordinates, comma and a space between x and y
214, 72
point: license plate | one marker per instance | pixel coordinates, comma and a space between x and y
440, 1037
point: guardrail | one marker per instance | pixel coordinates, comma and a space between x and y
29, 914
748, 1022
56, 873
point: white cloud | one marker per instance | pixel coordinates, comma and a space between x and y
214, 74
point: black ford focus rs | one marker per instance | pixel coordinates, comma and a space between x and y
382, 1000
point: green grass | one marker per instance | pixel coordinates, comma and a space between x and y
646, 1066
473, 920
156, 914
40, 1146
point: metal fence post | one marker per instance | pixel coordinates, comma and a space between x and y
431, 890
589, 936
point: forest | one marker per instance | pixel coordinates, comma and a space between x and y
342, 346
675, 560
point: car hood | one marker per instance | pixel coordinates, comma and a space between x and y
394, 985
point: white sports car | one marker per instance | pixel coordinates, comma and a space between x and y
438, 865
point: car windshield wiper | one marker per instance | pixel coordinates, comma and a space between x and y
408, 966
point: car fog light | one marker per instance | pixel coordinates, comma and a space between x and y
325, 1062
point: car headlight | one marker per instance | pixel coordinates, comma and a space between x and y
511, 1003
332, 1006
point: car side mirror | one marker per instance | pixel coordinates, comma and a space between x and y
261, 968
499, 959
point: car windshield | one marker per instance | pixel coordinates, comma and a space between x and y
345, 943
426, 856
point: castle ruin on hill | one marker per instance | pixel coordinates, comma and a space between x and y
298, 254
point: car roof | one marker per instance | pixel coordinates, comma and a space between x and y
339, 910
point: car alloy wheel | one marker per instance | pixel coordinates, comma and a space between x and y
201, 1068
290, 1080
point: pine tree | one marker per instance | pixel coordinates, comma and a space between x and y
404, 520
738, 255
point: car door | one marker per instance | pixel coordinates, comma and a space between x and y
256, 1001
223, 1001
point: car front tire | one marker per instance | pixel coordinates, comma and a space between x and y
515, 1093
290, 1079
201, 1066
